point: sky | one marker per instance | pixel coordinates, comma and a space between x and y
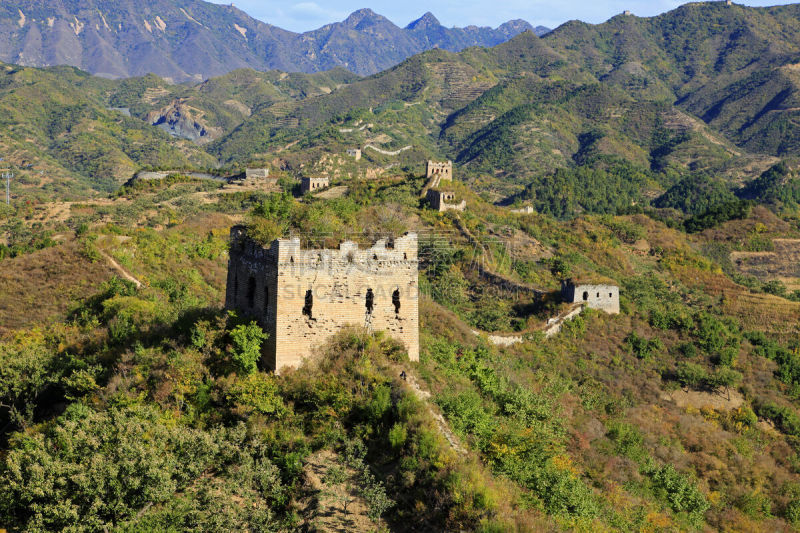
304, 15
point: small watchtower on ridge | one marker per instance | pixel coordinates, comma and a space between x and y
594, 294
443, 170
302, 297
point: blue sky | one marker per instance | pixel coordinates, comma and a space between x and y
303, 15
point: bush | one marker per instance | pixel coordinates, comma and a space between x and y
246, 350
683, 496
692, 375
93, 470
641, 347
398, 436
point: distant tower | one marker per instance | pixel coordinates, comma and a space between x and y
728, 2
627, 13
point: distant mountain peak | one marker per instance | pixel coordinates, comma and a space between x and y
428, 20
360, 15
193, 40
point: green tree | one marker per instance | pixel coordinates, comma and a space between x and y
246, 350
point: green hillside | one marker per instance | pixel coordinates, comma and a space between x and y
656, 155
61, 135
678, 414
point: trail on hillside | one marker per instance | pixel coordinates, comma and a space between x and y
122, 272
444, 427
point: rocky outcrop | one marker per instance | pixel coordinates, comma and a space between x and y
181, 120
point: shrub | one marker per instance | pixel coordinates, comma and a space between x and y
96, 469
246, 350
257, 392
692, 375
641, 347
683, 496
398, 435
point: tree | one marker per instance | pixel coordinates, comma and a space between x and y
246, 350
725, 378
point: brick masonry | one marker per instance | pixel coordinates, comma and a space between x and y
313, 184
602, 297
302, 297
440, 201
442, 170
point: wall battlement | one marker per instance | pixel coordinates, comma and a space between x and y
301, 297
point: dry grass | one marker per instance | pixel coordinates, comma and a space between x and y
39, 288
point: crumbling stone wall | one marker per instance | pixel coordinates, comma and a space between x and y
313, 184
603, 297
256, 173
301, 297
443, 170
444, 201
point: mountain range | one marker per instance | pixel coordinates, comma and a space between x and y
193, 40
707, 89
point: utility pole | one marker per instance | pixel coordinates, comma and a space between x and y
8, 176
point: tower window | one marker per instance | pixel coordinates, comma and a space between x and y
309, 304
396, 301
585, 296
370, 301
251, 292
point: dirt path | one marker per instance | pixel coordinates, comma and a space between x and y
122, 272
444, 428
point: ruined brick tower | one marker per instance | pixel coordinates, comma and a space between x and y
301, 297
443, 170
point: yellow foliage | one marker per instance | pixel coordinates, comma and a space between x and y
709, 413
690, 410
657, 521
564, 462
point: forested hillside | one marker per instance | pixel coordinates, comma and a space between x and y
652, 155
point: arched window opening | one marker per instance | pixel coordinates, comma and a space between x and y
396, 301
610, 294
309, 304
585, 296
598, 295
370, 301
251, 292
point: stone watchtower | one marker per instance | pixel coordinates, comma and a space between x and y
594, 295
443, 170
314, 184
302, 297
